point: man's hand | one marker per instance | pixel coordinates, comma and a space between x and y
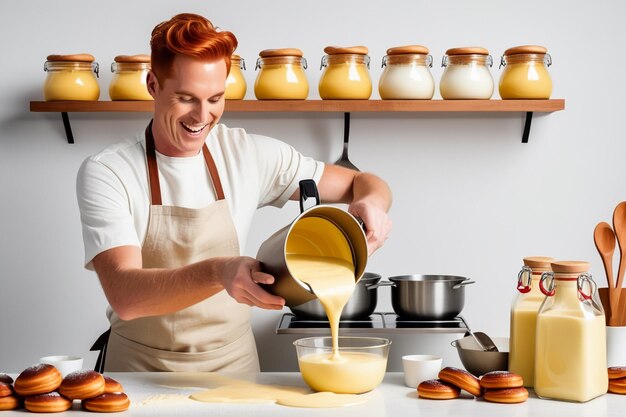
241, 276
376, 221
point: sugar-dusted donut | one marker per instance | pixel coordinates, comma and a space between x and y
616, 372
462, 379
10, 402
501, 379
617, 386
111, 386
436, 389
506, 395
37, 379
107, 403
51, 402
80, 385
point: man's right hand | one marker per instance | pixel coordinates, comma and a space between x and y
241, 277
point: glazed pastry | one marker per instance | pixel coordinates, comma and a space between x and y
111, 386
6, 379
501, 379
616, 372
37, 379
436, 389
506, 395
80, 385
462, 379
10, 402
5, 389
617, 386
107, 403
52, 402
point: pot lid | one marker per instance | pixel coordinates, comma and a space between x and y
468, 50
526, 49
538, 262
570, 267
141, 59
334, 50
73, 57
266, 53
408, 49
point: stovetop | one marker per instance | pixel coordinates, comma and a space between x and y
377, 323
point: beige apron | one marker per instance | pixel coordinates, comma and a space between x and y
212, 335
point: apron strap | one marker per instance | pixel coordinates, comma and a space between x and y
153, 171
101, 346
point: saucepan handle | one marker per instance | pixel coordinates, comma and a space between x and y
308, 189
461, 284
381, 284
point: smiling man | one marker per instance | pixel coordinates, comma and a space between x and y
166, 213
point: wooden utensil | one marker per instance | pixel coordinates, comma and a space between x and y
606, 304
604, 299
604, 238
619, 226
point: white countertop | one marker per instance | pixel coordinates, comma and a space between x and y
166, 394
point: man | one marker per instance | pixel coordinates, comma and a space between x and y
165, 214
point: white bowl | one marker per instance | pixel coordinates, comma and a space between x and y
418, 368
65, 364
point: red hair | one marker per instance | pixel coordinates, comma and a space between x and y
191, 35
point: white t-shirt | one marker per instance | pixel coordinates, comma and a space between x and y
114, 196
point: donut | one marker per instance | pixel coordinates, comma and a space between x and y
616, 372
51, 402
506, 395
462, 379
617, 386
436, 389
5, 389
6, 379
80, 385
107, 403
37, 379
112, 386
501, 379
10, 402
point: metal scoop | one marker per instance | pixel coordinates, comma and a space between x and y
484, 341
344, 161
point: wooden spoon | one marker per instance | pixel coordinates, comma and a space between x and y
619, 226
604, 238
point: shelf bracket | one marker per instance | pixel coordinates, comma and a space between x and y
529, 119
68, 127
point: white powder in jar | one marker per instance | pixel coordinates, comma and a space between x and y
466, 81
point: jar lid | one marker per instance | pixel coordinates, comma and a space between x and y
468, 50
74, 57
526, 49
266, 53
569, 267
408, 49
538, 262
139, 59
334, 50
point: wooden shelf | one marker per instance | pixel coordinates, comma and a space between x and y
350, 106
343, 106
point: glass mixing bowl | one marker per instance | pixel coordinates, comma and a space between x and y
360, 368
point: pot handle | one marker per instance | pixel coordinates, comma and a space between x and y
453, 343
308, 189
381, 284
461, 284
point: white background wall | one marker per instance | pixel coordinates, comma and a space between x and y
469, 198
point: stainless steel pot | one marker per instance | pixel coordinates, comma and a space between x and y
361, 304
427, 297
273, 252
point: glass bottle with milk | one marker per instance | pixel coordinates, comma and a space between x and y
570, 354
524, 317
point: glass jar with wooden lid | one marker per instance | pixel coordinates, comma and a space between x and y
406, 74
129, 77
345, 73
466, 74
525, 74
235, 82
281, 75
71, 77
